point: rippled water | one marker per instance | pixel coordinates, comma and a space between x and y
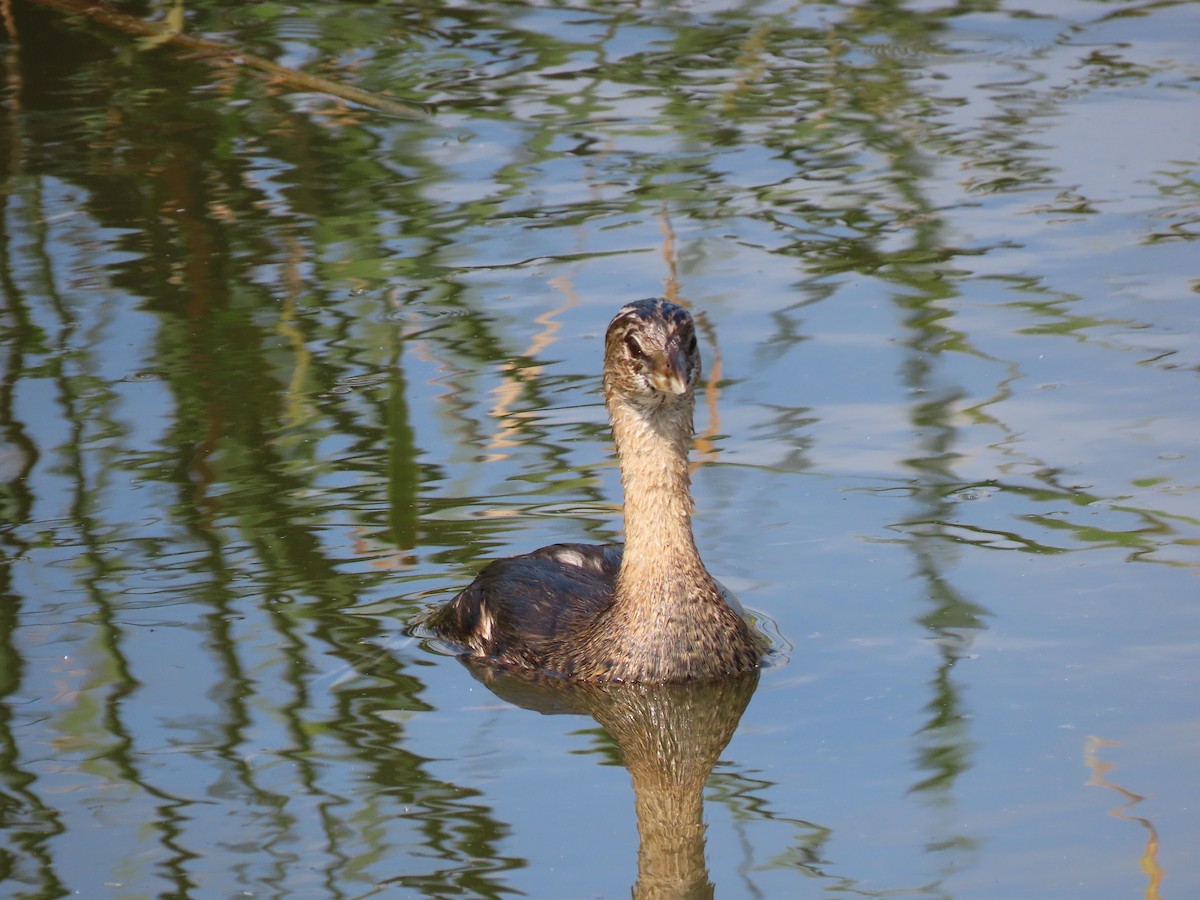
302, 323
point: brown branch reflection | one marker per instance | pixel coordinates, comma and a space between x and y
669, 737
1099, 769
169, 32
705, 442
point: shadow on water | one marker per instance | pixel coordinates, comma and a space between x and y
669, 737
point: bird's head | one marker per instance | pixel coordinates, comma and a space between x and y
650, 353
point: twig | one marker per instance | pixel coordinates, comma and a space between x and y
164, 34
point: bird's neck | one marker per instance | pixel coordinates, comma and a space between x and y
653, 449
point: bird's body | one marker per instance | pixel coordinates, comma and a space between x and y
645, 611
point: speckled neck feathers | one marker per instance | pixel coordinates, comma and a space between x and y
652, 443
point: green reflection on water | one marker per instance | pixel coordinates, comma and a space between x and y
264, 350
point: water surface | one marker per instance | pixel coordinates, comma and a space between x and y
302, 324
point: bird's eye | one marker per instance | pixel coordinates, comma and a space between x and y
634, 348
691, 344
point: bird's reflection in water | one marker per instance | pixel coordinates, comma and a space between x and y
669, 737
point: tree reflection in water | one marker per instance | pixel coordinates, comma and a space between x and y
277, 370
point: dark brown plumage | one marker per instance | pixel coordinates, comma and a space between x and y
645, 611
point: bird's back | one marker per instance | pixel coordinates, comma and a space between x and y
520, 609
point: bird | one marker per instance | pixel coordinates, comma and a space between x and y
645, 611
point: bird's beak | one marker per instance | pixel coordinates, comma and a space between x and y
671, 377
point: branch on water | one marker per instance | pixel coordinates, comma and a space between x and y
169, 33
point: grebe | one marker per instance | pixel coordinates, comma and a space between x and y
645, 611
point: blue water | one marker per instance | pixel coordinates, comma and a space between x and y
284, 367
